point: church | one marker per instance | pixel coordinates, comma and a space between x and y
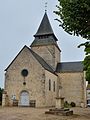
36, 76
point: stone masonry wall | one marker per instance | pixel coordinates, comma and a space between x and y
49, 53
50, 94
73, 87
34, 81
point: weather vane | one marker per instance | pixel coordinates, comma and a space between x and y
46, 6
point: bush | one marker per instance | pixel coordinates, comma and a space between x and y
73, 104
1, 92
66, 104
0, 102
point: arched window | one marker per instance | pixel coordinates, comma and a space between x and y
49, 84
54, 86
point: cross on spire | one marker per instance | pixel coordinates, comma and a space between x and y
46, 6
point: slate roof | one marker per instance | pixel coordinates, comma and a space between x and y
45, 34
69, 67
47, 41
38, 58
45, 27
42, 62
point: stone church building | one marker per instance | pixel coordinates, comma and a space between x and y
36, 76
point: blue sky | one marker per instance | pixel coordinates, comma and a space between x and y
19, 21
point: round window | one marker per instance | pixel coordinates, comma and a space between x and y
24, 72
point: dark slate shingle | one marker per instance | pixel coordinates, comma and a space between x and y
45, 41
37, 57
44, 34
69, 67
42, 62
45, 27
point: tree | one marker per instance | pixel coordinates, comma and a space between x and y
86, 61
74, 18
1, 91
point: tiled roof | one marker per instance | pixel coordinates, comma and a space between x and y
69, 67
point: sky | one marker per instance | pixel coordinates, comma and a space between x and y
19, 21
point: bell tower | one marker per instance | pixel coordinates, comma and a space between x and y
45, 43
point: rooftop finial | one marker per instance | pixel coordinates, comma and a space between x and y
45, 6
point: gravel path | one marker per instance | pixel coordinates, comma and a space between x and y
22, 113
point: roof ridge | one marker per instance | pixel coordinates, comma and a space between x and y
15, 57
72, 62
40, 58
42, 62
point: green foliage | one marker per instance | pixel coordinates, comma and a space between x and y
74, 18
1, 91
66, 105
86, 61
73, 104
69, 105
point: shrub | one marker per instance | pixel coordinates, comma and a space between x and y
66, 104
73, 104
1, 92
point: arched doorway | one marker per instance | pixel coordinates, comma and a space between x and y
24, 98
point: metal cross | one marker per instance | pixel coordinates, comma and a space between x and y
46, 6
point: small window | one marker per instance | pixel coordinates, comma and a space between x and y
42, 37
54, 86
49, 84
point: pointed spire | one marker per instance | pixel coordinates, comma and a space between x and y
44, 34
45, 27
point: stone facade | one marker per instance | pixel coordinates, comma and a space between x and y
88, 95
35, 77
50, 94
73, 87
36, 81
50, 53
